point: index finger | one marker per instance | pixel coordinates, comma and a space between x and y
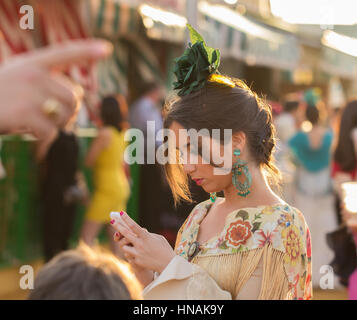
132, 224
63, 54
127, 233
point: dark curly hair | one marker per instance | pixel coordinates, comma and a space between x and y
218, 106
345, 154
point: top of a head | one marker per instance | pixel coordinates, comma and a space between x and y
109, 103
110, 112
198, 78
208, 100
86, 274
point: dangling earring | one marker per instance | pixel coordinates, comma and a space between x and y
240, 167
213, 196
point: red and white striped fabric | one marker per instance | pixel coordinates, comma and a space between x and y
13, 39
61, 21
55, 21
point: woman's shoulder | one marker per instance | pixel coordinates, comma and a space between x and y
298, 138
199, 209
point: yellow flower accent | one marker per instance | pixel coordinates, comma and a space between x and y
221, 79
268, 210
293, 245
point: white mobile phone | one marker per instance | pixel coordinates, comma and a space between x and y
117, 217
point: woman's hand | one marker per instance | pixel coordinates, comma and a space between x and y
28, 81
147, 250
145, 276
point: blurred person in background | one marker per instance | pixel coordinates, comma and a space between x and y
86, 274
313, 191
36, 99
287, 124
344, 166
344, 169
151, 203
61, 187
111, 173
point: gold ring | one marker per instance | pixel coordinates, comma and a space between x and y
52, 108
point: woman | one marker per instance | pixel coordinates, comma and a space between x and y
311, 150
106, 155
344, 169
249, 244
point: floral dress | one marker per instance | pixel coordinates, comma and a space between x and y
274, 239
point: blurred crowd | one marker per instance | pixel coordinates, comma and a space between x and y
316, 153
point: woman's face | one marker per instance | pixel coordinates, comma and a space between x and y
202, 173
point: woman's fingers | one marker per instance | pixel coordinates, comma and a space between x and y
74, 51
116, 217
64, 91
119, 221
133, 225
125, 232
131, 251
117, 236
123, 242
40, 125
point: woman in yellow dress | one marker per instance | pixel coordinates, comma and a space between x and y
106, 156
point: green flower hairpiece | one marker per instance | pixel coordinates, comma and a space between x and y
197, 63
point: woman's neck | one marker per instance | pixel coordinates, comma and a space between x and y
260, 192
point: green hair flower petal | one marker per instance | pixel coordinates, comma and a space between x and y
196, 64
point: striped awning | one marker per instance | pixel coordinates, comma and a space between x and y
112, 72
121, 23
61, 21
282, 54
113, 19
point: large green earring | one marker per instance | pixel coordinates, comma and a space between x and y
213, 196
240, 167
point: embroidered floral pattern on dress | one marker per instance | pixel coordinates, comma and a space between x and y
238, 233
292, 244
268, 234
281, 226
